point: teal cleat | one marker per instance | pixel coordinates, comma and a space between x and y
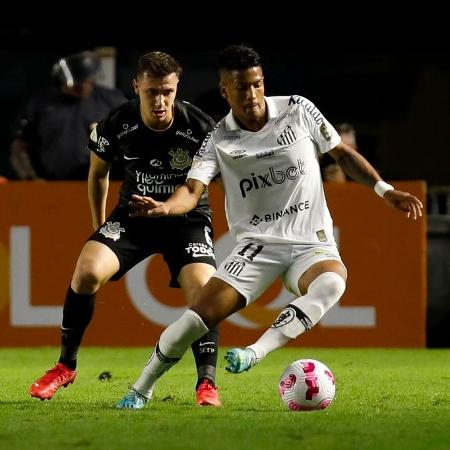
240, 360
132, 400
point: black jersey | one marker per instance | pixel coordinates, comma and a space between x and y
156, 163
57, 126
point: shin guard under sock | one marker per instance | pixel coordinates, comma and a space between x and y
77, 314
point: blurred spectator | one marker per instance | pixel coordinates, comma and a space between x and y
53, 132
331, 171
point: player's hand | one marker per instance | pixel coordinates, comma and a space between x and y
405, 202
146, 207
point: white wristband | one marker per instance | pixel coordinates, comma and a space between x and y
381, 187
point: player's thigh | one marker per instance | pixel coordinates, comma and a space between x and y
216, 301
192, 278
253, 266
308, 264
96, 264
128, 238
188, 250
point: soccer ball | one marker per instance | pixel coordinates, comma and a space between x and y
307, 385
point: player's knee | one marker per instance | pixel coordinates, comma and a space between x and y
86, 278
329, 287
207, 313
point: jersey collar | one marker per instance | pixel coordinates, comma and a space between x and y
272, 112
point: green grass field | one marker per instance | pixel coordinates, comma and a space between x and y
385, 399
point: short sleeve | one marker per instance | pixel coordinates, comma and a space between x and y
204, 165
102, 141
322, 132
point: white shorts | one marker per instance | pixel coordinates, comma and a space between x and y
254, 265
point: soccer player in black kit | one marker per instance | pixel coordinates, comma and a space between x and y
157, 136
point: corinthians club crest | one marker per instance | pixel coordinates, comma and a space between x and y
112, 230
180, 159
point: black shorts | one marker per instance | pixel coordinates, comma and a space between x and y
180, 240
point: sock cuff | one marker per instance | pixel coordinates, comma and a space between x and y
258, 350
333, 277
200, 325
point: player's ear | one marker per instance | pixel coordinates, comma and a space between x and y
223, 91
135, 86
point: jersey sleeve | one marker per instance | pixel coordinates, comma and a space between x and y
102, 141
205, 165
322, 132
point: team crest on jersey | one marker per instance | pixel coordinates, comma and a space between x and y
112, 230
324, 132
180, 159
287, 136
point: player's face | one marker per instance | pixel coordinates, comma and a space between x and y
244, 92
157, 96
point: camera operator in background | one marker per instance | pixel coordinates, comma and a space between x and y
53, 131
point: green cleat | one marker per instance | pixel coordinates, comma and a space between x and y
239, 360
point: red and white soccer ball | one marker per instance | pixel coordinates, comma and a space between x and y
307, 385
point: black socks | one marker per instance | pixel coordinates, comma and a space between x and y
205, 354
77, 314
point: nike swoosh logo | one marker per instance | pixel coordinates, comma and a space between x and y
201, 344
129, 158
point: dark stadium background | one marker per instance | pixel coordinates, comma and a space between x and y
391, 80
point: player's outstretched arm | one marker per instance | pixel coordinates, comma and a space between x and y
359, 169
183, 200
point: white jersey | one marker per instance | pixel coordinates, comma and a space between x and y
272, 180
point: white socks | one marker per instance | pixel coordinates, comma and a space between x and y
172, 344
301, 314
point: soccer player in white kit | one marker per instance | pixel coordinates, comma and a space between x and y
266, 151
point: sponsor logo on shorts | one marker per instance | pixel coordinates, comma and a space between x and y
112, 230
199, 249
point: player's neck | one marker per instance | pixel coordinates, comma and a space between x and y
159, 126
156, 125
252, 124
